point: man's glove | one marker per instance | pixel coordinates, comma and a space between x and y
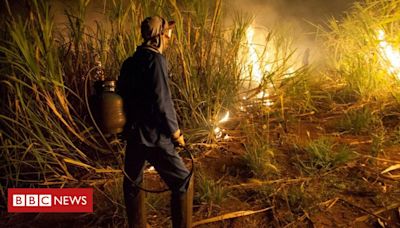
177, 138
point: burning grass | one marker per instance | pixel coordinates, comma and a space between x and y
365, 48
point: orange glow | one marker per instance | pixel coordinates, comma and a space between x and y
253, 60
390, 55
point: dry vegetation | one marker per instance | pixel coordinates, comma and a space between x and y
297, 143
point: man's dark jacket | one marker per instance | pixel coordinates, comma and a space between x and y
143, 85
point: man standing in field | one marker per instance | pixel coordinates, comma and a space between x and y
152, 127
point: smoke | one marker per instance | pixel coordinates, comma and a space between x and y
300, 17
299, 12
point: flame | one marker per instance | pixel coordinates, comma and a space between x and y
253, 60
218, 132
268, 102
254, 69
262, 94
391, 56
151, 169
225, 118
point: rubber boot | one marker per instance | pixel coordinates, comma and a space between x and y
135, 207
181, 208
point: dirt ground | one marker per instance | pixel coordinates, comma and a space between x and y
353, 194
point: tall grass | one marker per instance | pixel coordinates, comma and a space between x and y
211, 72
205, 75
40, 128
356, 47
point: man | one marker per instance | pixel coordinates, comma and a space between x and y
152, 126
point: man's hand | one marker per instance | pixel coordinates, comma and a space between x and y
177, 138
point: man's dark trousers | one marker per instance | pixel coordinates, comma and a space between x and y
167, 163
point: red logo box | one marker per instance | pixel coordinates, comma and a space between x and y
50, 200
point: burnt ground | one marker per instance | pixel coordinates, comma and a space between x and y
353, 193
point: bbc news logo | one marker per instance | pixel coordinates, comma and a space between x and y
50, 200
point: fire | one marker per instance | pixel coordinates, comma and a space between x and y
253, 61
254, 70
218, 131
391, 56
151, 169
225, 118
